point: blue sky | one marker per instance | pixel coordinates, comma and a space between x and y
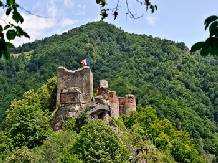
177, 20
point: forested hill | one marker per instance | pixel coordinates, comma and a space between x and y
161, 73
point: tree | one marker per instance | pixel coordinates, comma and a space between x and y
26, 124
104, 10
146, 126
97, 142
215, 159
10, 30
210, 46
22, 154
55, 146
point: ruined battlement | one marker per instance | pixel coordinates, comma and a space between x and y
75, 95
81, 78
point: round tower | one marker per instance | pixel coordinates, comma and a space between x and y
129, 104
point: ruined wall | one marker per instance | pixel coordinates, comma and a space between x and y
114, 104
81, 78
129, 104
71, 105
121, 104
110, 98
75, 93
103, 88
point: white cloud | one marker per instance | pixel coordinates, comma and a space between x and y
69, 3
97, 19
35, 27
81, 10
20, 41
52, 9
80, 13
68, 22
37, 23
57, 21
151, 20
82, 6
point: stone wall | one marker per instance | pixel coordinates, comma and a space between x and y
109, 97
81, 78
114, 104
71, 105
121, 104
75, 94
129, 104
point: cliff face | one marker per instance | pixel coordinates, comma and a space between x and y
75, 95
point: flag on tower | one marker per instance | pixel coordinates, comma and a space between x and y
86, 62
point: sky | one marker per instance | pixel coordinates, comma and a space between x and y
177, 20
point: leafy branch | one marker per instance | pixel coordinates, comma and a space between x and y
10, 31
104, 13
210, 45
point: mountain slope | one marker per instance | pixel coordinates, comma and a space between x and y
161, 73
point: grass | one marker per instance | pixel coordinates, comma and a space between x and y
27, 54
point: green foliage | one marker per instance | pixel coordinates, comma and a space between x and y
123, 86
70, 124
215, 159
104, 13
55, 146
178, 87
144, 116
184, 153
147, 129
48, 94
150, 6
20, 155
26, 124
210, 20
3, 140
10, 8
27, 120
68, 158
211, 144
97, 142
210, 46
5, 146
83, 117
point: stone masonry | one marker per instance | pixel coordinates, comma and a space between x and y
75, 95
81, 78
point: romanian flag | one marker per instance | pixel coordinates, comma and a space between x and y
86, 62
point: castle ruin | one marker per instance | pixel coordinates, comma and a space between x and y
75, 95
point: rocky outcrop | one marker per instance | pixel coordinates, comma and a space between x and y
71, 104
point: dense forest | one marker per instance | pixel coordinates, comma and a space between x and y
177, 97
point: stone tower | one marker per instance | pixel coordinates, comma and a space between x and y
129, 104
114, 104
81, 78
74, 92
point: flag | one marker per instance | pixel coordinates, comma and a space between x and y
86, 62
